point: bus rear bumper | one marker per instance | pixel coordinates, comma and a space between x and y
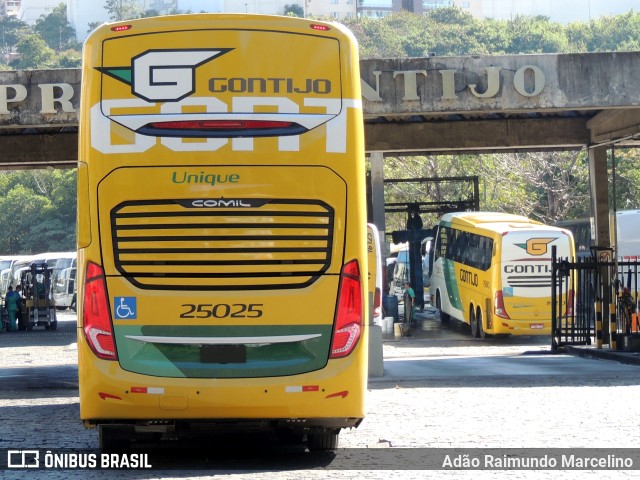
206, 426
520, 327
332, 397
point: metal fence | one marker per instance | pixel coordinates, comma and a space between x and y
595, 299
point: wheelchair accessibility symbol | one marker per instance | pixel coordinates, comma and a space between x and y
125, 308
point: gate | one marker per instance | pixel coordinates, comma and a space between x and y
592, 292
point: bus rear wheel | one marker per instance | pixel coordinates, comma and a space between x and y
115, 438
474, 323
323, 440
481, 331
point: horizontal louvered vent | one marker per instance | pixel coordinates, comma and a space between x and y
222, 244
530, 281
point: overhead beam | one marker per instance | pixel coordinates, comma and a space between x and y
477, 135
610, 125
59, 150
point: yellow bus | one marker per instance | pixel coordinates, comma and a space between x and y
493, 272
221, 228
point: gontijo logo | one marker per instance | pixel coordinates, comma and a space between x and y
536, 246
236, 109
163, 75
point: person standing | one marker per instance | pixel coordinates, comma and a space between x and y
409, 298
11, 303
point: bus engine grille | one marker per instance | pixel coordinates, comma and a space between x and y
222, 244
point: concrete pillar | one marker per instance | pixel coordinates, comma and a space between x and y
377, 198
599, 186
376, 360
599, 183
376, 364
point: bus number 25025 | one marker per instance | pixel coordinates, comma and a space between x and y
222, 310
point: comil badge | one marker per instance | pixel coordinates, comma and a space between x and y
537, 246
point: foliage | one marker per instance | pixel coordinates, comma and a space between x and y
37, 211
451, 31
294, 10
547, 186
69, 59
627, 179
55, 29
123, 9
555, 184
13, 30
150, 13
92, 26
535, 35
34, 53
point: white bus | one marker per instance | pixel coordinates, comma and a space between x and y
63, 280
627, 240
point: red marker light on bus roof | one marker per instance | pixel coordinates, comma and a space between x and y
317, 26
121, 28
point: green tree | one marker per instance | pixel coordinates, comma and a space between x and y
150, 13
20, 209
34, 53
626, 178
69, 59
12, 30
92, 26
555, 185
294, 10
55, 29
123, 9
536, 35
37, 211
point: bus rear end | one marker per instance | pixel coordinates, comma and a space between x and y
222, 227
522, 306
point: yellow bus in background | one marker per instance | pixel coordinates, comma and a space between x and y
222, 258
493, 272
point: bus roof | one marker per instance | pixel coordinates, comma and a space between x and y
492, 221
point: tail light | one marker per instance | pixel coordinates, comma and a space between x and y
222, 128
96, 317
498, 306
348, 320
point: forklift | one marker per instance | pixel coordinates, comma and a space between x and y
38, 308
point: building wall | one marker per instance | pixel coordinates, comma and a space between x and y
31, 10
381, 8
11, 7
81, 13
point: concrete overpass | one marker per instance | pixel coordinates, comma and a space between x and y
431, 105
